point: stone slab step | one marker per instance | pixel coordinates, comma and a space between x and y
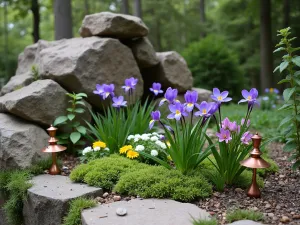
245, 222
48, 199
144, 212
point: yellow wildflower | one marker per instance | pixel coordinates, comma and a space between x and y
168, 144
169, 158
271, 90
99, 144
132, 154
125, 149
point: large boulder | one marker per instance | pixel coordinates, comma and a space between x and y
172, 71
20, 142
17, 82
143, 52
107, 24
40, 102
80, 63
49, 199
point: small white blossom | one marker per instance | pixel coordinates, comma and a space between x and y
145, 138
137, 136
106, 149
154, 152
154, 138
86, 150
158, 142
155, 134
130, 137
139, 148
163, 146
136, 139
97, 149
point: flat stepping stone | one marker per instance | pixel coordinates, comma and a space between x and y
245, 222
145, 212
49, 197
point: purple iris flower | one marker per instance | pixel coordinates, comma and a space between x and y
214, 108
204, 109
250, 96
155, 117
220, 97
224, 135
191, 98
276, 91
246, 137
177, 111
156, 88
130, 84
119, 102
99, 90
233, 127
170, 96
226, 123
267, 90
243, 121
108, 90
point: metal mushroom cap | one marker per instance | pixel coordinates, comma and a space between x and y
53, 146
255, 161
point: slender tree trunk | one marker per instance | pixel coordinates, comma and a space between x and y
63, 19
86, 7
125, 7
202, 16
35, 8
266, 53
6, 49
138, 8
286, 13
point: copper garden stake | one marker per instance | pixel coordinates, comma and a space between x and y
255, 162
53, 148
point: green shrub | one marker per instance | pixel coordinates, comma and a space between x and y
272, 169
159, 182
42, 165
214, 64
205, 222
104, 172
243, 214
76, 206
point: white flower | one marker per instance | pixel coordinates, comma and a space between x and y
136, 139
154, 138
154, 152
130, 137
139, 148
266, 98
145, 137
106, 149
155, 134
163, 146
86, 150
158, 142
161, 136
137, 136
97, 149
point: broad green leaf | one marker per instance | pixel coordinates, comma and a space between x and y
81, 129
63, 142
80, 103
287, 93
75, 124
69, 109
296, 165
294, 49
297, 73
286, 120
79, 110
279, 49
81, 95
283, 66
277, 68
286, 106
75, 136
71, 116
78, 98
60, 120
284, 81
296, 60
290, 147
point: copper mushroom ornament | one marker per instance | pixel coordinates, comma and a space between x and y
53, 148
255, 162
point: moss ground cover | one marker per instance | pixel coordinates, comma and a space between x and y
243, 214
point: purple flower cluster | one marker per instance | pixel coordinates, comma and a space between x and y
105, 90
250, 97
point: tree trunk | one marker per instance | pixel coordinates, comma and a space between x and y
86, 7
63, 19
202, 16
286, 13
35, 9
138, 8
125, 7
266, 53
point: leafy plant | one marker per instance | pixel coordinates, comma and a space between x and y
98, 150
73, 130
205, 222
290, 63
244, 214
35, 73
76, 206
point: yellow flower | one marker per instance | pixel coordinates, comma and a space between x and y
132, 154
99, 144
168, 144
125, 149
169, 157
271, 90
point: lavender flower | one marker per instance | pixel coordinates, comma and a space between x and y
130, 84
243, 121
206, 109
220, 97
225, 123
156, 88
224, 135
155, 117
177, 111
119, 102
108, 90
250, 97
191, 98
99, 90
233, 127
246, 137
170, 96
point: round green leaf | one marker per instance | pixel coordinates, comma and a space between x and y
81, 129
75, 136
60, 120
71, 116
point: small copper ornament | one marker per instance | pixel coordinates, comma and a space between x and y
53, 148
255, 162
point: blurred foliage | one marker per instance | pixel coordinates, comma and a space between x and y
214, 64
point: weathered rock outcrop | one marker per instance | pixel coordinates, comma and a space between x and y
49, 197
17, 82
40, 102
20, 142
80, 63
172, 71
106, 24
